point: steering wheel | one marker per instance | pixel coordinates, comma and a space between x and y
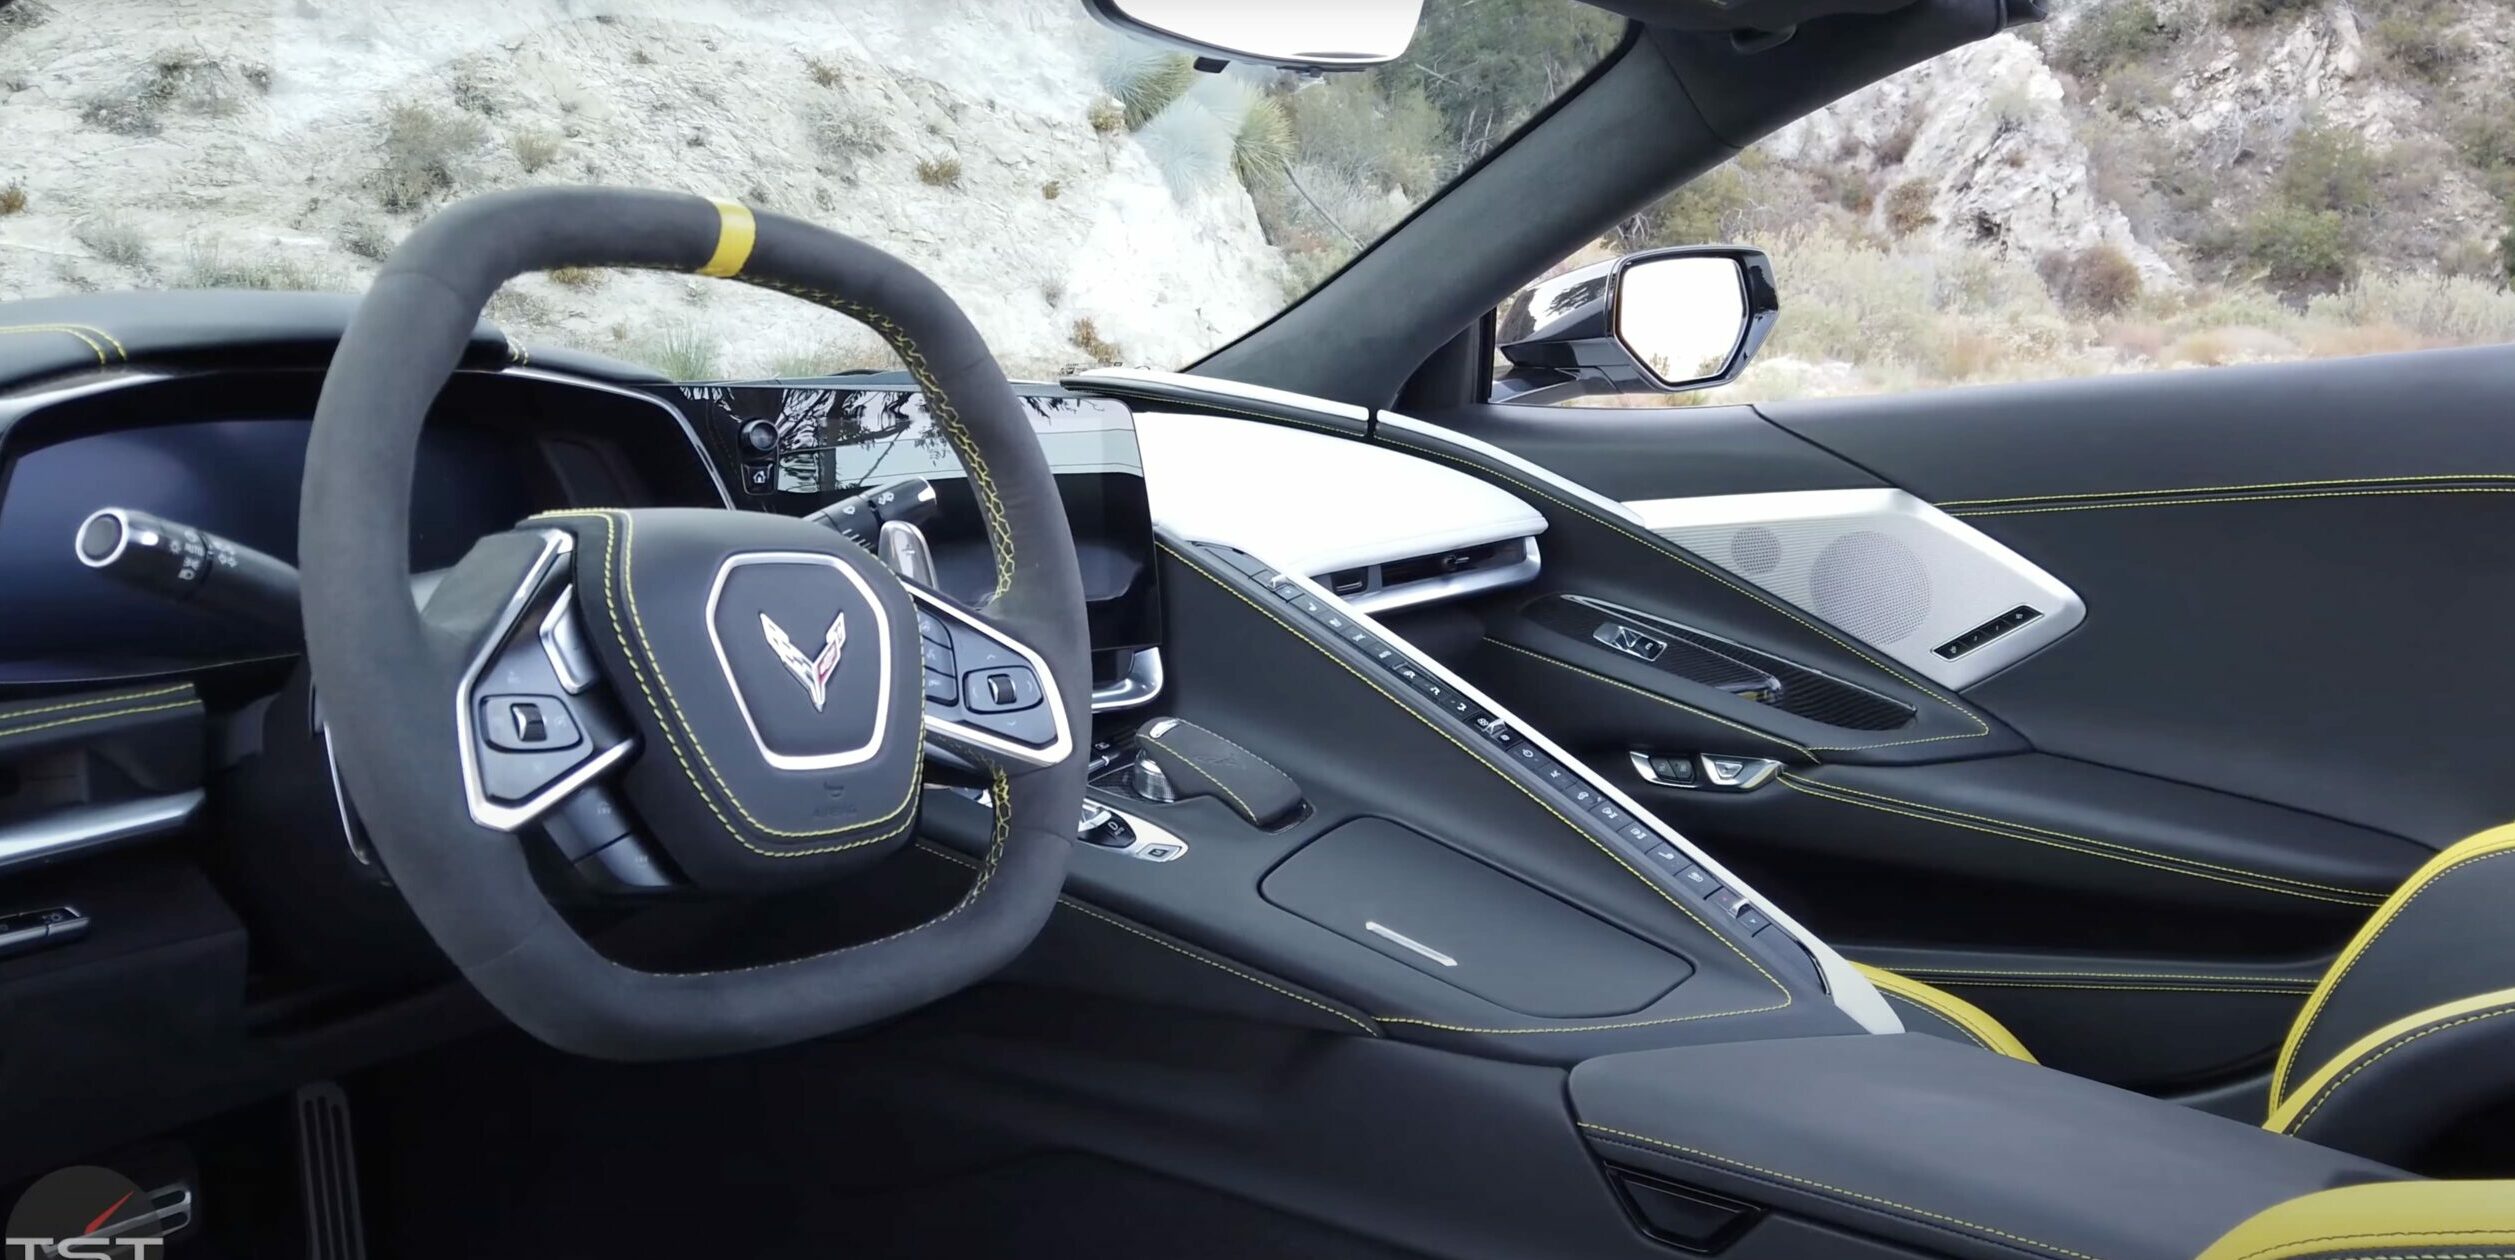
744, 701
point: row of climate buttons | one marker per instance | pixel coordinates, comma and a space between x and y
1574, 789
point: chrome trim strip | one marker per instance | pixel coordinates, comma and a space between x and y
1142, 682
858, 755
724, 496
1453, 585
1049, 694
565, 646
1181, 387
1407, 942
555, 544
81, 828
1851, 991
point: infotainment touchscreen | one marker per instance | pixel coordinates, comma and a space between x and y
798, 447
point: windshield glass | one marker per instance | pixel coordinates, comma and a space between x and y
1090, 199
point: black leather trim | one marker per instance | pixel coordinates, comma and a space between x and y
2392, 1099
1919, 1140
1921, 1017
2448, 935
2290, 614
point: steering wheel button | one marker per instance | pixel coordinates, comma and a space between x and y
1003, 689
938, 656
942, 688
528, 724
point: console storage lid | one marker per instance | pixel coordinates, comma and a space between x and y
1945, 1146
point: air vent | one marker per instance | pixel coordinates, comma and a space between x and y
1440, 575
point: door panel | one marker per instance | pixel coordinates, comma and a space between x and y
2295, 575
2143, 841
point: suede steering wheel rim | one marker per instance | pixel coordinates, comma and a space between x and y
747, 789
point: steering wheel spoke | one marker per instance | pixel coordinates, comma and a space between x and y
534, 722
986, 691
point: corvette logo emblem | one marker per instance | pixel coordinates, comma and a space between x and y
812, 671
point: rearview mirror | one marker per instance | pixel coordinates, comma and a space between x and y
1658, 322
1293, 34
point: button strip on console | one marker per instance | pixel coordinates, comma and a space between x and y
1659, 855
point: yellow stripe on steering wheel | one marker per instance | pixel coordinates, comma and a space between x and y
736, 232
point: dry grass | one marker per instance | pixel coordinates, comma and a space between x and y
114, 241
12, 198
1086, 337
535, 149
1107, 116
419, 154
1052, 189
939, 172
1908, 207
575, 277
823, 72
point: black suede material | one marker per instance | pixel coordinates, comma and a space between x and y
388, 675
731, 820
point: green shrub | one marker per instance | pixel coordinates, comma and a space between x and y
2420, 45
1145, 82
2330, 168
2110, 33
2298, 248
1712, 206
2257, 12
1262, 146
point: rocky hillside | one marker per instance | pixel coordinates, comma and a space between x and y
289, 145
2139, 184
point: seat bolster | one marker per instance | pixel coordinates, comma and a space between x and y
2440, 1220
2389, 1093
2442, 937
1939, 1013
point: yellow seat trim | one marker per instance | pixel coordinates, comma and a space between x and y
736, 232
2446, 1218
2360, 1054
2495, 840
1976, 1022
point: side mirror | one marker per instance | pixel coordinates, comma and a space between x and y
1662, 321
1292, 34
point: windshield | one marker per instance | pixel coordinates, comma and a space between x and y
1091, 200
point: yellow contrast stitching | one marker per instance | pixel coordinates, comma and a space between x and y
982, 477
1851, 1194
2189, 490
2322, 998
94, 717
2487, 1237
2325, 1094
2250, 498
625, 538
92, 701
1825, 792
1647, 695
1122, 925
1219, 785
1954, 983
1671, 551
1975, 1022
79, 331
2371, 897
1577, 829
1924, 973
